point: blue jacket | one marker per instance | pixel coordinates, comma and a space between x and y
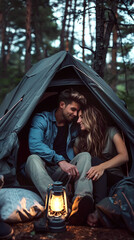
42, 134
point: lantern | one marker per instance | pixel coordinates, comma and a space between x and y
56, 207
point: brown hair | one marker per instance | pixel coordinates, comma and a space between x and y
70, 95
92, 139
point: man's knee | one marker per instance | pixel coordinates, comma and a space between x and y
84, 159
84, 156
32, 161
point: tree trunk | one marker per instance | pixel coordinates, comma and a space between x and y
102, 37
3, 39
114, 56
90, 32
108, 30
99, 59
9, 49
83, 31
114, 52
28, 35
74, 18
62, 36
35, 6
68, 25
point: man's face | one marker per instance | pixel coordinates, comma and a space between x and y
70, 111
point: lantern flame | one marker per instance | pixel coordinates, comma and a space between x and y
57, 203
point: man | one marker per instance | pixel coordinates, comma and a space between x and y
51, 139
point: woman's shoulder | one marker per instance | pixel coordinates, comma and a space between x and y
112, 130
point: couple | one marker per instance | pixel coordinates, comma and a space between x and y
59, 150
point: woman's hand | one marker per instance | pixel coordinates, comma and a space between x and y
95, 172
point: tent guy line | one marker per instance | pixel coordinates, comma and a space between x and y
11, 108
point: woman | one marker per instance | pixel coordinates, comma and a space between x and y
103, 142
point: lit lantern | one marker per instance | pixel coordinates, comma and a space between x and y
56, 207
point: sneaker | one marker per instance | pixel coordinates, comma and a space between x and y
81, 207
6, 232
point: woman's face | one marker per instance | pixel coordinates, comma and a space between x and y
80, 121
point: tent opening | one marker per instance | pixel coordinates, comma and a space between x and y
66, 77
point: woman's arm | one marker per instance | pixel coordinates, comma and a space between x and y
121, 158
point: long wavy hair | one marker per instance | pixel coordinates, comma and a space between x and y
92, 139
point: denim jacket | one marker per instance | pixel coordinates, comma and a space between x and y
42, 134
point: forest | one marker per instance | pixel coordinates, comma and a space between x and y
98, 32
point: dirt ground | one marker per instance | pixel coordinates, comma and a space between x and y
26, 231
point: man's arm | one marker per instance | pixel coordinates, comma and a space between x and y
36, 141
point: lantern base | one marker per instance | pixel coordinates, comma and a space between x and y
56, 225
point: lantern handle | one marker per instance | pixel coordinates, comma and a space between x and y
67, 182
48, 194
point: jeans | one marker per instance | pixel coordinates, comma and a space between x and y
99, 186
42, 175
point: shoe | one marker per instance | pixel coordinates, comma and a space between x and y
81, 207
6, 232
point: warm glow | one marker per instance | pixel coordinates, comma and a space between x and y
57, 204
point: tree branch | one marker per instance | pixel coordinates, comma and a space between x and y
85, 47
127, 9
125, 25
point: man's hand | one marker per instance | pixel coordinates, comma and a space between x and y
69, 168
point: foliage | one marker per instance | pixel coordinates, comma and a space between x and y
47, 25
13, 39
128, 99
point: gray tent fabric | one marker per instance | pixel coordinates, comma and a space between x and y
59, 70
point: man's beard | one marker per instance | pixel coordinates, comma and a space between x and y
68, 119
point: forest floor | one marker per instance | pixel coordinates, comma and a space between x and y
26, 231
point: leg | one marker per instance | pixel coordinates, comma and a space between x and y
99, 192
83, 200
35, 169
99, 186
82, 186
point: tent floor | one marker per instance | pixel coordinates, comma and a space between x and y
26, 231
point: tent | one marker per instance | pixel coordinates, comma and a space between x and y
38, 91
